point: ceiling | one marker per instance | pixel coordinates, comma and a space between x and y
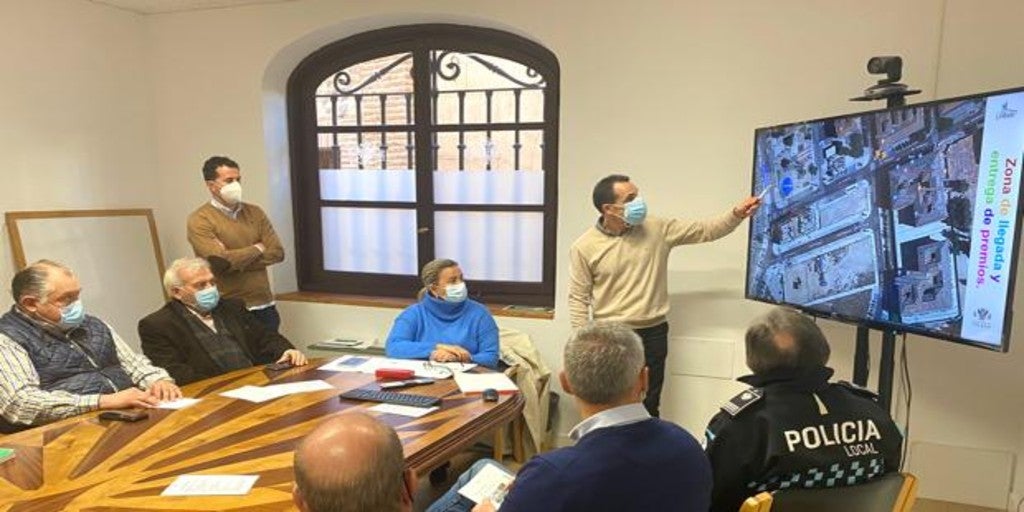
165, 6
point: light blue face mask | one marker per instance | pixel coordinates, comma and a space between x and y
456, 292
207, 299
635, 211
72, 315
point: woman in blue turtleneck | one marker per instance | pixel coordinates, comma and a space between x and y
445, 325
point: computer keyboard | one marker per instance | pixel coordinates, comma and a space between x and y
391, 397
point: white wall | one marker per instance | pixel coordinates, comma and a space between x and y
670, 93
667, 91
75, 113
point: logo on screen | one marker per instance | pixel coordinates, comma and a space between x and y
982, 317
1006, 112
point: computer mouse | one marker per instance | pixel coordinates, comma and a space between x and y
490, 395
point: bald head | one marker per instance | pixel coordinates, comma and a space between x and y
351, 462
784, 338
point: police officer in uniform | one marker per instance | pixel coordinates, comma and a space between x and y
792, 428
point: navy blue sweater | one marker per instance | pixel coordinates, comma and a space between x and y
652, 465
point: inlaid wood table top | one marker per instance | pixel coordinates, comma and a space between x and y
87, 464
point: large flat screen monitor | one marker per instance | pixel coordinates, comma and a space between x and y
902, 219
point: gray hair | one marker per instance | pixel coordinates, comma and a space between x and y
602, 362
784, 338
431, 271
374, 484
33, 280
172, 276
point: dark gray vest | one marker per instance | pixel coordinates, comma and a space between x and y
83, 361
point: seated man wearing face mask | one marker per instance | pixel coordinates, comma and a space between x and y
241, 234
197, 335
445, 325
57, 362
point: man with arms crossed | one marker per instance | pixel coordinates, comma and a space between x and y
239, 233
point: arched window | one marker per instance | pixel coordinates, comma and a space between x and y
420, 142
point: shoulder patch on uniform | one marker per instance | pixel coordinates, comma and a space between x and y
741, 401
859, 390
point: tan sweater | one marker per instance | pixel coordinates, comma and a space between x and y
213, 232
624, 277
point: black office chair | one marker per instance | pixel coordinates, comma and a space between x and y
894, 492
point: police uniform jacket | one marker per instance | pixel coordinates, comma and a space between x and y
794, 429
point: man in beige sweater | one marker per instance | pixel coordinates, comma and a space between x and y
618, 268
241, 234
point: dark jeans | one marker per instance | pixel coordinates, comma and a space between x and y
268, 317
655, 340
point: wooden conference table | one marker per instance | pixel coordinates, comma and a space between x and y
86, 464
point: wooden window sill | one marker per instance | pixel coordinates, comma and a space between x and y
400, 303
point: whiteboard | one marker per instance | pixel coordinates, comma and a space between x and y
114, 253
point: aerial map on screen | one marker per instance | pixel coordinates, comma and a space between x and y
903, 219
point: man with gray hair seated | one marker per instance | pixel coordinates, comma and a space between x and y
198, 335
352, 462
792, 428
56, 361
623, 460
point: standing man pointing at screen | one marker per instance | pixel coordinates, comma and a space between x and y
619, 267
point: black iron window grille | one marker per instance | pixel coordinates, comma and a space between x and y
426, 141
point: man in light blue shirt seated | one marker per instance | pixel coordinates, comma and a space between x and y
623, 458
445, 325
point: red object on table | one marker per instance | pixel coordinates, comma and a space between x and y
393, 374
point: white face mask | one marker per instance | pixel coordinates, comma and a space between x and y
232, 193
456, 292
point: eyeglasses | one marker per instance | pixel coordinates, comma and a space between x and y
438, 370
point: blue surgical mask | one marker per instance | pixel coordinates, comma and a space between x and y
72, 315
207, 299
456, 292
635, 211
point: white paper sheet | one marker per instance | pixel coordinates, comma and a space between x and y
302, 386
259, 394
403, 410
477, 382
180, 403
367, 364
491, 483
210, 485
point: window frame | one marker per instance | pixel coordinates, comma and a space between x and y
420, 41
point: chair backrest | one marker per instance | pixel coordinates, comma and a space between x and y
894, 491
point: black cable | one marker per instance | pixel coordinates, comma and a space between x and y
908, 396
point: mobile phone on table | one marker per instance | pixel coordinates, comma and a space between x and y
129, 416
283, 365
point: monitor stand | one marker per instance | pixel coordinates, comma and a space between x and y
886, 364
894, 94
